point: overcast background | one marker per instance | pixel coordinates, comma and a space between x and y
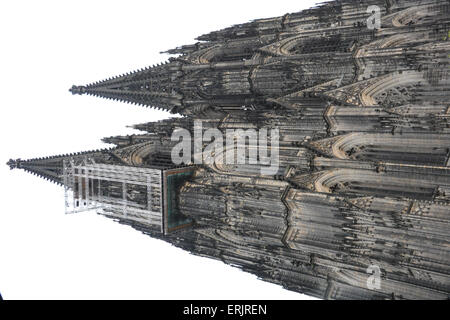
45, 48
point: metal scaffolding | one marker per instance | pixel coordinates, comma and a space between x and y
112, 190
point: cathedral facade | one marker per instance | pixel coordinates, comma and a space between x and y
358, 206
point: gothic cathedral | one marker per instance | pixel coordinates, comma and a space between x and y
358, 92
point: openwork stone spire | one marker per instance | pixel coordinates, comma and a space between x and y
51, 168
150, 87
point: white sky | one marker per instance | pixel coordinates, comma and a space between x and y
46, 47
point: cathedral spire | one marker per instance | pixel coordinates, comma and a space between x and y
150, 87
51, 168
46, 168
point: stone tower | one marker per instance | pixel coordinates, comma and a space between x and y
359, 204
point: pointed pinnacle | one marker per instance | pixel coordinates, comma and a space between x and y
78, 90
13, 164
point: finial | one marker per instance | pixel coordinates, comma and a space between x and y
78, 90
13, 164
